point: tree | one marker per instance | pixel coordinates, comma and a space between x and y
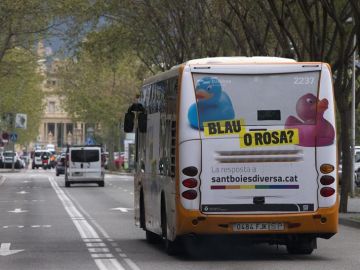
20, 90
97, 90
306, 31
22, 25
167, 33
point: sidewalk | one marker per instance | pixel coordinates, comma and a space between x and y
352, 217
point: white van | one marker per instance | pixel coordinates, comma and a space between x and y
84, 164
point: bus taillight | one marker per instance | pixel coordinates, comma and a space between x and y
190, 183
327, 191
190, 171
327, 180
189, 194
326, 168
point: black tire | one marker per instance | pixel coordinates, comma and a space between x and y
57, 173
101, 183
302, 246
152, 238
171, 247
142, 212
67, 183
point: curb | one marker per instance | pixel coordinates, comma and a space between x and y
349, 222
119, 173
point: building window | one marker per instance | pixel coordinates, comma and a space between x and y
70, 128
51, 128
51, 107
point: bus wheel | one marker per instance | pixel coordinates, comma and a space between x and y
142, 211
151, 238
303, 246
171, 247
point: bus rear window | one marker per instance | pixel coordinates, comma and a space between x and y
85, 156
259, 99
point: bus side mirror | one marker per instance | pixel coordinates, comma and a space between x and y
142, 118
129, 122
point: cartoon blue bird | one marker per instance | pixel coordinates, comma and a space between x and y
213, 103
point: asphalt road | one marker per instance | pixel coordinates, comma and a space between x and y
44, 225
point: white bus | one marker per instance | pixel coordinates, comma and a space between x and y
237, 146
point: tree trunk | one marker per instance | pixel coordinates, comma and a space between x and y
346, 159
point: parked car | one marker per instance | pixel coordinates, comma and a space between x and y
1, 160
60, 164
9, 157
26, 159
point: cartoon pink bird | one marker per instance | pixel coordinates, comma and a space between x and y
314, 129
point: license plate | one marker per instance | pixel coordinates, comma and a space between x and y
274, 226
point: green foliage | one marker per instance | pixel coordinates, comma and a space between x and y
99, 91
20, 90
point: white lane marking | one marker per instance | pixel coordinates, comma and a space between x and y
3, 180
22, 226
94, 250
108, 264
5, 249
92, 240
102, 231
102, 255
84, 228
18, 210
130, 263
122, 209
95, 245
23, 201
118, 250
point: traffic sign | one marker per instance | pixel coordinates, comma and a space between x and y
13, 137
21, 120
89, 141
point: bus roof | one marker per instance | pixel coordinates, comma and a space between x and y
217, 61
239, 60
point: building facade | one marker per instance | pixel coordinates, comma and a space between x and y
56, 126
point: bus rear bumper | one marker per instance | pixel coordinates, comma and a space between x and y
322, 223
